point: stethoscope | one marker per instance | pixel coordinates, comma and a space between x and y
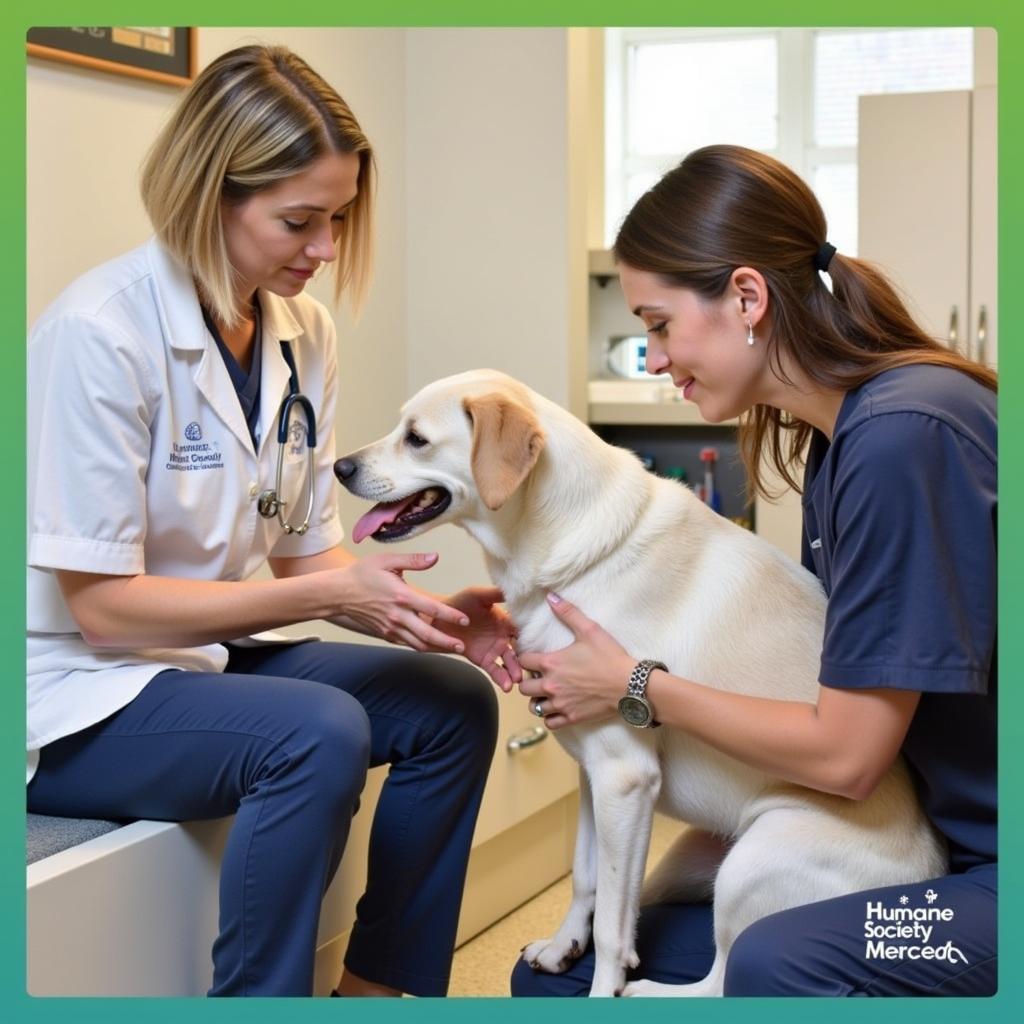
270, 502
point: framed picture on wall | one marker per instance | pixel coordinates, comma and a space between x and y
159, 54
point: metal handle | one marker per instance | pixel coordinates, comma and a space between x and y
981, 338
529, 738
954, 327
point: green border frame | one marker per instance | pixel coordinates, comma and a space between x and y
1009, 1003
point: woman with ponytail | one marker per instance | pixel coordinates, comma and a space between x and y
724, 261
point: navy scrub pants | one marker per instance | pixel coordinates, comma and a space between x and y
282, 739
814, 950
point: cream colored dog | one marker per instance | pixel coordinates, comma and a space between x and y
557, 509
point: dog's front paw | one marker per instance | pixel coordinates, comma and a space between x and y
553, 956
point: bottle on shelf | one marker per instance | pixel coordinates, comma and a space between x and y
708, 491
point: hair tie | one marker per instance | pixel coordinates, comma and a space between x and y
823, 257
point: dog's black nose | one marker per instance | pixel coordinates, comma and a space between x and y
344, 468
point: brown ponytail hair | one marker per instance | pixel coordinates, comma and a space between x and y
725, 207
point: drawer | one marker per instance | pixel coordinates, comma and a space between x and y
526, 780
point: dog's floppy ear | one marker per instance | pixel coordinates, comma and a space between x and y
507, 441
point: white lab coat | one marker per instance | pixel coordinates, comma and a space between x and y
140, 461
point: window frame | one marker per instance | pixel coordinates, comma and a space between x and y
796, 69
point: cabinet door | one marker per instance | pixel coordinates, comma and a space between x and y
984, 224
913, 159
523, 781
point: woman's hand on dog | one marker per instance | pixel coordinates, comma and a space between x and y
582, 682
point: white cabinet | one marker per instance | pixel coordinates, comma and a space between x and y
927, 208
984, 223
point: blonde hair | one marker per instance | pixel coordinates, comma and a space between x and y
253, 117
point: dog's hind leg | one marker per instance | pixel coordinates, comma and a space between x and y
686, 873
625, 790
554, 955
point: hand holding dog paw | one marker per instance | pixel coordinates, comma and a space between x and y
378, 601
489, 636
582, 682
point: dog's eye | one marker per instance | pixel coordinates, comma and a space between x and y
414, 440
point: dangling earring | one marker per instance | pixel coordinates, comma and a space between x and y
750, 333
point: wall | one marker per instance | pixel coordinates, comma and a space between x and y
488, 261
487, 203
87, 133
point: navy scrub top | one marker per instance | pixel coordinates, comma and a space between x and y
247, 385
900, 527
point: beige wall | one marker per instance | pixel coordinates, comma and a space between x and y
487, 216
87, 132
487, 204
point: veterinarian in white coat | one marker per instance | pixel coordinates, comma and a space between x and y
723, 261
155, 384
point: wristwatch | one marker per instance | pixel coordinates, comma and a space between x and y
635, 708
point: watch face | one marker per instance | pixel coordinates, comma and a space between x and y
635, 711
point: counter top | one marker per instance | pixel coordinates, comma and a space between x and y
642, 402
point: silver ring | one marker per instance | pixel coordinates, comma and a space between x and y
536, 707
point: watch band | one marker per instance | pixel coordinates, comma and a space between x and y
636, 693
637, 685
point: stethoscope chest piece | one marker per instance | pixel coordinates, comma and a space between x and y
268, 503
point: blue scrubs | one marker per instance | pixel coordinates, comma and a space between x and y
900, 527
247, 384
282, 739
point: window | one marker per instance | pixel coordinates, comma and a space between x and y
791, 93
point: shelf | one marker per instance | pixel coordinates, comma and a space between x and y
645, 402
648, 414
601, 266
599, 261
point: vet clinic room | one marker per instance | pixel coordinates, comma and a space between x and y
688, 339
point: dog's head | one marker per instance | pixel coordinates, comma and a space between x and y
463, 444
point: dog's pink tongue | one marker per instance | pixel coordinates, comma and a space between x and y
385, 512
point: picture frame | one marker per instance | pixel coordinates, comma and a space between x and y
164, 54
